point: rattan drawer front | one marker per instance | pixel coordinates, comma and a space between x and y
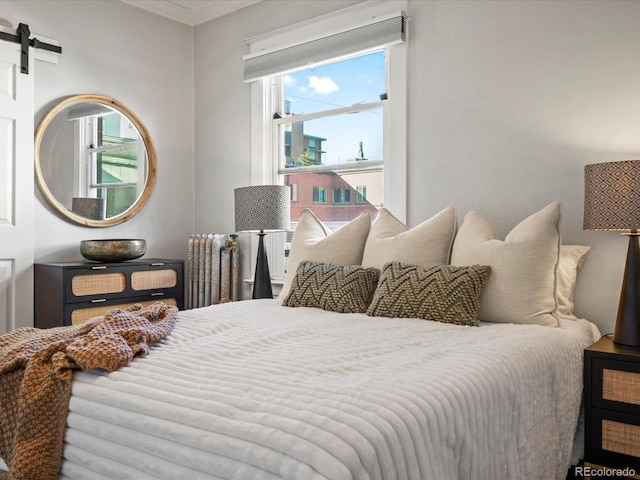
98, 284
81, 315
152, 279
621, 386
621, 438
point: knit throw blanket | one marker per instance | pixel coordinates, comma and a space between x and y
36, 371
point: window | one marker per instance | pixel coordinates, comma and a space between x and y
294, 191
361, 194
341, 195
319, 195
315, 125
109, 148
331, 114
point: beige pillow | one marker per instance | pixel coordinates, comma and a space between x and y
521, 288
441, 293
426, 244
571, 260
336, 288
314, 241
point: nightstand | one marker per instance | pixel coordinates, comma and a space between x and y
612, 406
73, 292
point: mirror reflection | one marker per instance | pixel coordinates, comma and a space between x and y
94, 160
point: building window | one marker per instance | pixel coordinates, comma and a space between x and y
319, 195
294, 192
361, 196
341, 195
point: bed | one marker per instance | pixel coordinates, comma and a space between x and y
258, 390
392, 353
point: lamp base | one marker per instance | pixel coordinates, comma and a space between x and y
627, 330
262, 278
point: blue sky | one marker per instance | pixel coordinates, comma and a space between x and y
341, 84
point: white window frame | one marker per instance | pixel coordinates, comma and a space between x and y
340, 191
320, 200
85, 160
264, 103
361, 194
294, 191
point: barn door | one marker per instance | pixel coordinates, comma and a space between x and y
16, 190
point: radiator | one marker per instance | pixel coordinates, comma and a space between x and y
212, 269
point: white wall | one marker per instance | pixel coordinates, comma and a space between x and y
507, 103
144, 61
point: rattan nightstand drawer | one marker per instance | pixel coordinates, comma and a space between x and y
616, 385
620, 437
621, 386
616, 438
154, 279
71, 293
92, 284
612, 405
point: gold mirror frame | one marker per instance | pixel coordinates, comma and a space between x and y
144, 135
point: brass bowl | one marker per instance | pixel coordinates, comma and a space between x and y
118, 250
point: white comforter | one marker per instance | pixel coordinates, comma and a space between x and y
255, 390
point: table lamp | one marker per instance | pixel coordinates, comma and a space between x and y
262, 209
612, 202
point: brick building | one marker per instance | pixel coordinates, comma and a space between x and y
335, 197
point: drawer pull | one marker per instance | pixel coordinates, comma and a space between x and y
159, 264
99, 267
157, 294
99, 300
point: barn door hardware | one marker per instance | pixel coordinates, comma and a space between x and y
22, 37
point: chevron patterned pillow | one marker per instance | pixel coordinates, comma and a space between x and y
337, 288
442, 293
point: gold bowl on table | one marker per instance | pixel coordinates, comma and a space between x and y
114, 250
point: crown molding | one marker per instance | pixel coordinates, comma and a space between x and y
214, 9
191, 13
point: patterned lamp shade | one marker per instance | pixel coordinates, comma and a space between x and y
91, 208
612, 196
262, 208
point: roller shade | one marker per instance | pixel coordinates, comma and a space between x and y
379, 33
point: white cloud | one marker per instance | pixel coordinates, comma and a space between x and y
322, 85
366, 78
289, 81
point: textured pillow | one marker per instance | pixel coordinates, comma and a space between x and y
571, 259
523, 266
441, 292
314, 241
426, 244
337, 288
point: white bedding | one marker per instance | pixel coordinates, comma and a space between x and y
256, 390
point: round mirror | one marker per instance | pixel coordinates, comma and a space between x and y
95, 161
